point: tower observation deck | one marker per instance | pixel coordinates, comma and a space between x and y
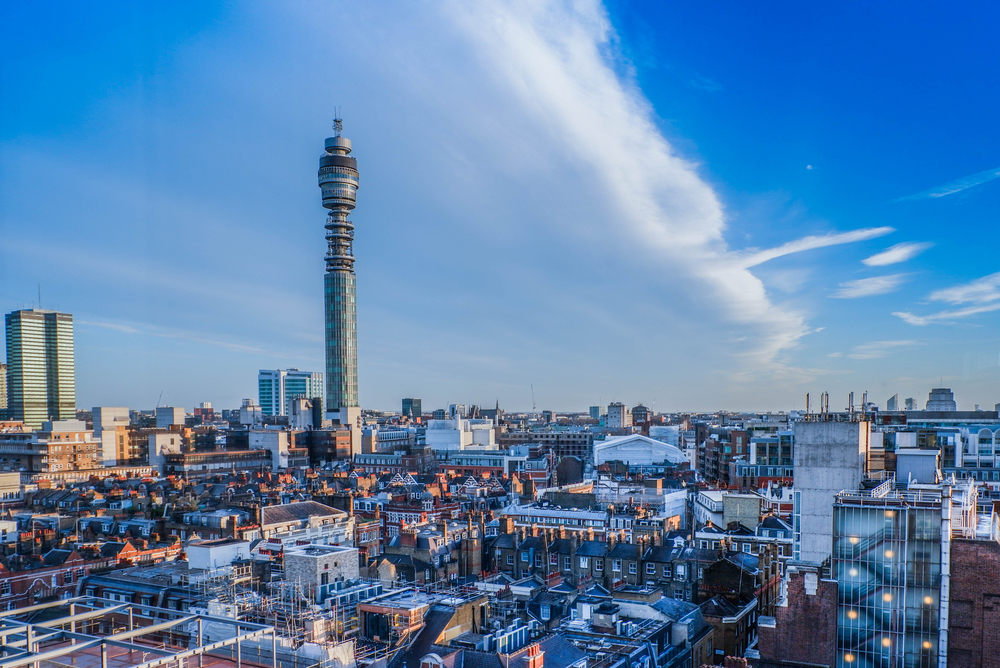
338, 179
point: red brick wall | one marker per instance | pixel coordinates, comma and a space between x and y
806, 629
974, 613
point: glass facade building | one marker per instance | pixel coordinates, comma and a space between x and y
412, 408
276, 389
41, 367
890, 560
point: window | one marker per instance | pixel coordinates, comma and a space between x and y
584, 562
616, 565
5, 588
598, 565
632, 567
567, 564
554, 559
524, 557
666, 570
324, 578
703, 544
538, 560
748, 548
650, 569
510, 559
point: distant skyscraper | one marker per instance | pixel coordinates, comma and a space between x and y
412, 408
597, 411
893, 403
276, 389
941, 399
338, 179
911, 404
3, 387
41, 373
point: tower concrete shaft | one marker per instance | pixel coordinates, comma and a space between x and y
338, 179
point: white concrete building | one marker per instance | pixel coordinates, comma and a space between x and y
460, 434
829, 457
619, 416
107, 420
278, 442
214, 554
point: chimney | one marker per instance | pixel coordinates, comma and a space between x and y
443, 528
562, 530
590, 533
534, 529
536, 657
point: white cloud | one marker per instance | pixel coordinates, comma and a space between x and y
985, 292
868, 287
944, 316
819, 241
898, 253
956, 186
980, 291
876, 349
554, 61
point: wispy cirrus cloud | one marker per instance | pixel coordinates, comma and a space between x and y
983, 293
147, 329
754, 258
877, 349
956, 186
868, 287
895, 254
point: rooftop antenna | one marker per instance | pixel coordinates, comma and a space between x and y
39, 296
338, 122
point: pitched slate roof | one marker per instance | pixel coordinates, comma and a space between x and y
625, 551
296, 512
592, 548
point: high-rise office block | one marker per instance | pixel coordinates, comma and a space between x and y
278, 388
412, 408
338, 180
3, 387
893, 403
41, 373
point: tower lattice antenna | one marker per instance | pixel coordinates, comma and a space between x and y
338, 122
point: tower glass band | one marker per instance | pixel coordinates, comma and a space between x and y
338, 180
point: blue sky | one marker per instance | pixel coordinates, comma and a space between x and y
705, 206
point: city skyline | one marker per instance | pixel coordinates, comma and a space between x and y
586, 202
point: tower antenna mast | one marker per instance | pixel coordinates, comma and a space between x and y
338, 122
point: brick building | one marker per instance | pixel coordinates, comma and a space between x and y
803, 629
974, 610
